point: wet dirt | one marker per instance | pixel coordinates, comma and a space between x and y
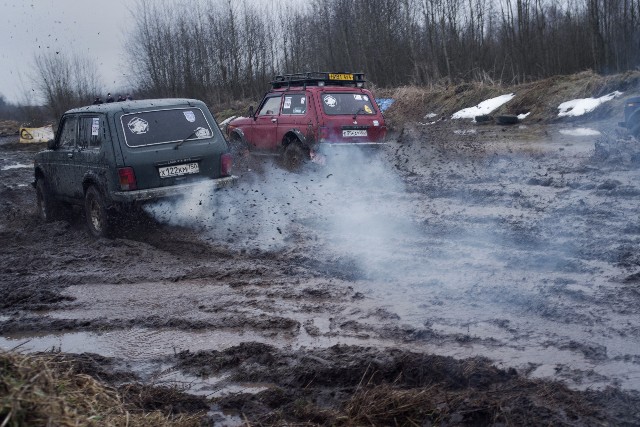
497, 265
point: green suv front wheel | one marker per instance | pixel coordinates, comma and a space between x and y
48, 207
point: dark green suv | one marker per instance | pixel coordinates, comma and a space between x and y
112, 157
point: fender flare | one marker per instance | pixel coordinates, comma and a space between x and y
298, 134
92, 178
238, 132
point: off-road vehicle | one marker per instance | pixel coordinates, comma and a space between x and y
632, 116
305, 115
112, 157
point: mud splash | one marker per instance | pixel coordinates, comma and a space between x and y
513, 245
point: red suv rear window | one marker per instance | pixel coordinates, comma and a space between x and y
347, 103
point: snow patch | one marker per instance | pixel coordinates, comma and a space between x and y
580, 132
16, 166
523, 116
578, 107
485, 107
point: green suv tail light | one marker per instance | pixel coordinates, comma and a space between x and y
226, 160
127, 179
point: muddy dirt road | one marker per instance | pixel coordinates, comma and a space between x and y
516, 244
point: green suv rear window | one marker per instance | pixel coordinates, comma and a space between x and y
164, 126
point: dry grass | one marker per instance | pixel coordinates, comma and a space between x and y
540, 98
45, 390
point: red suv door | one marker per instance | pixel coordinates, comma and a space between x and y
294, 114
262, 134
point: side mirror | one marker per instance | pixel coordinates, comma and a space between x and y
251, 112
51, 144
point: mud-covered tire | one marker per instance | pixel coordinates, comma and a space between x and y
484, 118
295, 156
95, 209
507, 119
49, 209
240, 151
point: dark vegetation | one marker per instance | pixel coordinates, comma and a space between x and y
225, 51
230, 50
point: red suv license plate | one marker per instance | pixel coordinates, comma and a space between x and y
347, 133
177, 170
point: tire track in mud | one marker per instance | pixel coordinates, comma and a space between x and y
525, 255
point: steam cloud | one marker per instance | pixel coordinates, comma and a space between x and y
347, 209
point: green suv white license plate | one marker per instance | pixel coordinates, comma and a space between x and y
177, 170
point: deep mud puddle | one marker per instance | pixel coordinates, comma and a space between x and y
524, 253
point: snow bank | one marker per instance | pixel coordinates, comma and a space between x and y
485, 107
580, 132
578, 107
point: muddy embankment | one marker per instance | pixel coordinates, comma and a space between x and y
465, 275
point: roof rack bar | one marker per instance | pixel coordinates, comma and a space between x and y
316, 78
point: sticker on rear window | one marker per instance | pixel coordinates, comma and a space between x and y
138, 125
357, 97
302, 100
190, 116
367, 109
330, 101
202, 133
287, 102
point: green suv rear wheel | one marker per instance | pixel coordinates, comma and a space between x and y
96, 213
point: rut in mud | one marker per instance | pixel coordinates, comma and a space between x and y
516, 244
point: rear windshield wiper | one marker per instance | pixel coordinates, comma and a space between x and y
360, 110
192, 134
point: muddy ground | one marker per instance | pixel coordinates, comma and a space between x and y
464, 275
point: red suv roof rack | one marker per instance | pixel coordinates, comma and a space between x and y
319, 79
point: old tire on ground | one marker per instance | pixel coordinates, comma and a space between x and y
295, 155
96, 213
485, 118
48, 207
507, 120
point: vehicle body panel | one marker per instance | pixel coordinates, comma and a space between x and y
312, 115
104, 140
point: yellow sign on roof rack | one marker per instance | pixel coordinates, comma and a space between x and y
340, 76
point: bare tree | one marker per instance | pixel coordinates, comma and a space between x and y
65, 81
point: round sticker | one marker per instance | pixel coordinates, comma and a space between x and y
203, 133
367, 109
330, 101
138, 125
190, 116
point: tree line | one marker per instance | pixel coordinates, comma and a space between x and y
230, 49
224, 50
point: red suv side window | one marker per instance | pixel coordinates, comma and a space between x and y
294, 104
271, 106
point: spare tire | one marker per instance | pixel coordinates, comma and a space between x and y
507, 119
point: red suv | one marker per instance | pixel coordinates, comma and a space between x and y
306, 114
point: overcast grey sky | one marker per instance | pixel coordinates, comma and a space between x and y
95, 28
